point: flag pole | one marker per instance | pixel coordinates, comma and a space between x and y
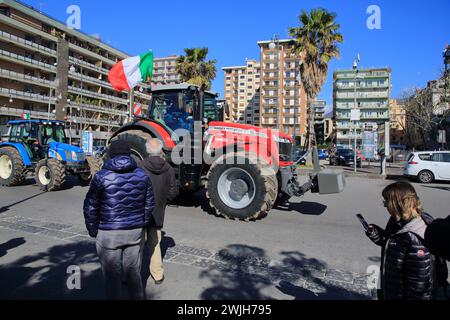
131, 98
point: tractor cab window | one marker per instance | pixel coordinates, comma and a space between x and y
169, 109
53, 133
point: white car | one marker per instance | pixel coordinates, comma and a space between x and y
428, 166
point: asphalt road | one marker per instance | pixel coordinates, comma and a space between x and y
316, 248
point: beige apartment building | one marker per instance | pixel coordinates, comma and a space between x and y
164, 71
242, 92
48, 70
397, 120
283, 102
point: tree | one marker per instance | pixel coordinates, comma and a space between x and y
420, 117
194, 68
316, 40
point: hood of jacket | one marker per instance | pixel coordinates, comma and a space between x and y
416, 225
120, 164
155, 165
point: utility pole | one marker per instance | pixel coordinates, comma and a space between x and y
355, 68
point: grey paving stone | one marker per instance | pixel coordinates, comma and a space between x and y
77, 230
56, 226
24, 228
56, 234
184, 259
169, 255
339, 275
192, 251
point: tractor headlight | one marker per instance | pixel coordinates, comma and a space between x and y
67, 155
74, 156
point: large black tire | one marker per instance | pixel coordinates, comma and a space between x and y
425, 176
94, 166
50, 174
12, 174
136, 139
265, 189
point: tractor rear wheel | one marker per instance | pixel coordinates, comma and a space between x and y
136, 140
11, 167
50, 174
241, 191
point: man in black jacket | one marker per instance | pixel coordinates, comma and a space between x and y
165, 188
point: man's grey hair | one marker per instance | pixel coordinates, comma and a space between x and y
154, 147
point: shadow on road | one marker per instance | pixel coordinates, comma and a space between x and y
11, 244
195, 199
304, 207
245, 273
6, 208
437, 187
44, 275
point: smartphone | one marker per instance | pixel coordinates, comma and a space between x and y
363, 222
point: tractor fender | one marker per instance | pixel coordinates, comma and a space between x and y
222, 145
151, 127
22, 151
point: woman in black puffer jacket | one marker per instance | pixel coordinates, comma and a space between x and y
407, 267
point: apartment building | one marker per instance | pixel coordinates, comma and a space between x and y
397, 122
373, 88
282, 99
164, 71
48, 70
242, 92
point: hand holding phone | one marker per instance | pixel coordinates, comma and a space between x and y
363, 222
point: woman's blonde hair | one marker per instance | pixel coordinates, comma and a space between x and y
402, 201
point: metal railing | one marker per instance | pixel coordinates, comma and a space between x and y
97, 95
21, 76
13, 38
25, 95
27, 60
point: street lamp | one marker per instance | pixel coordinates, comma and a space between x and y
274, 44
355, 69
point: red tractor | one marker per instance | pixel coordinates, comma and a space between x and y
244, 168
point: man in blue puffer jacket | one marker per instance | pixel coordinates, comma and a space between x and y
117, 208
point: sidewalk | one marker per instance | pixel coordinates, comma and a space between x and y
372, 171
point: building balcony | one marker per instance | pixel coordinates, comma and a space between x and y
27, 44
26, 78
15, 58
102, 96
362, 95
88, 65
21, 95
16, 112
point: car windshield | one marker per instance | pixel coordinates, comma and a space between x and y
345, 152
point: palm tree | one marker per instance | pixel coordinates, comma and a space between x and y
316, 40
194, 68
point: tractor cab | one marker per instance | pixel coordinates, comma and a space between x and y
36, 135
179, 106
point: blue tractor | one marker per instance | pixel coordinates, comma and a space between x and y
40, 146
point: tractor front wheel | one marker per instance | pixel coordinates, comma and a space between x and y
244, 191
50, 174
11, 167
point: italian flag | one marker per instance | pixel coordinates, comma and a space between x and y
126, 74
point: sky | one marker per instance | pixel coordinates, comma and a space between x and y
410, 40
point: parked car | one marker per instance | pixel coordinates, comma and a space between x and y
323, 154
300, 156
428, 166
345, 157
